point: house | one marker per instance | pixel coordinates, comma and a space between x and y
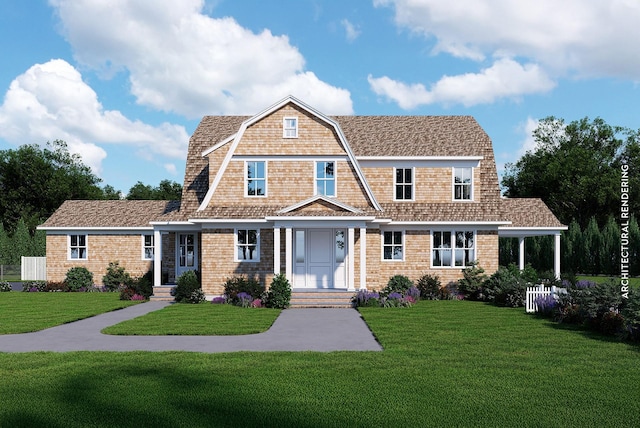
333, 202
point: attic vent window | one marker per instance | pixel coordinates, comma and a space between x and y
290, 127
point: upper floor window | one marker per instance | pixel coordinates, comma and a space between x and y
453, 249
256, 178
404, 184
78, 247
247, 245
392, 245
325, 178
462, 184
147, 247
290, 127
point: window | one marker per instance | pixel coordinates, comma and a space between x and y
290, 127
453, 249
187, 249
247, 245
147, 247
325, 179
462, 182
392, 247
256, 178
340, 246
404, 184
78, 247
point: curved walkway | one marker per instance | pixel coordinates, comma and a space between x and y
314, 329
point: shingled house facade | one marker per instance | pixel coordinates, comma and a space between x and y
332, 202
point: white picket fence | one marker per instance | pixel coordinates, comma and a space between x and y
537, 291
34, 269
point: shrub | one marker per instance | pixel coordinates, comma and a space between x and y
144, 284
546, 306
138, 297
505, 287
219, 300
429, 286
396, 300
5, 287
187, 284
57, 286
197, 296
470, 285
244, 299
240, 284
33, 286
631, 313
397, 284
116, 277
127, 293
365, 298
279, 293
78, 277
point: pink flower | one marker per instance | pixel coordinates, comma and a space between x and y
257, 303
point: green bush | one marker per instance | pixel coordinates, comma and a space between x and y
116, 277
57, 286
5, 287
34, 286
79, 277
506, 287
430, 287
470, 285
187, 284
631, 313
397, 284
242, 284
279, 293
144, 284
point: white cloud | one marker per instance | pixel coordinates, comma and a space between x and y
50, 101
352, 31
181, 60
171, 168
529, 143
572, 37
504, 79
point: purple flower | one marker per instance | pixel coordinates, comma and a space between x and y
585, 283
395, 295
137, 297
33, 290
545, 304
413, 292
218, 300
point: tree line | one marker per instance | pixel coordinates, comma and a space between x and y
575, 169
35, 181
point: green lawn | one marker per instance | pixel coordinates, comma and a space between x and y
27, 312
202, 319
448, 363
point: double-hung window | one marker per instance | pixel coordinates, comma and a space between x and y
256, 178
453, 248
147, 247
247, 245
78, 247
290, 127
462, 184
325, 178
392, 245
404, 184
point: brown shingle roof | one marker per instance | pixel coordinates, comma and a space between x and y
110, 213
528, 212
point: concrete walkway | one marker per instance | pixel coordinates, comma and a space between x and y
314, 329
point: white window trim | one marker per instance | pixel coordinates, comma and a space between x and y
235, 245
382, 245
453, 185
452, 263
413, 184
86, 246
285, 129
144, 247
246, 179
335, 178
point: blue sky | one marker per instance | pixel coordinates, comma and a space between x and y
125, 82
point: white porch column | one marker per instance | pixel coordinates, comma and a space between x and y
556, 258
288, 254
351, 266
363, 258
521, 252
276, 250
157, 258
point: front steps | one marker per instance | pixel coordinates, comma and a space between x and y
321, 298
162, 293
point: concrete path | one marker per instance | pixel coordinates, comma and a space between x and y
314, 329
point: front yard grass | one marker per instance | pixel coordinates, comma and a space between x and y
197, 320
446, 363
27, 312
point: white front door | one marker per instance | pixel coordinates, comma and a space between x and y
319, 258
186, 253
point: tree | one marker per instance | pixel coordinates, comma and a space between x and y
592, 244
166, 191
34, 182
610, 249
21, 243
575, 168
110, 193
4, 246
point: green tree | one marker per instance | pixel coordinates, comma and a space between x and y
634, 246
592, 245
4, 246
20, 243
109, 192
610, 248
575, 168
166, 191
34, 182
572, 248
